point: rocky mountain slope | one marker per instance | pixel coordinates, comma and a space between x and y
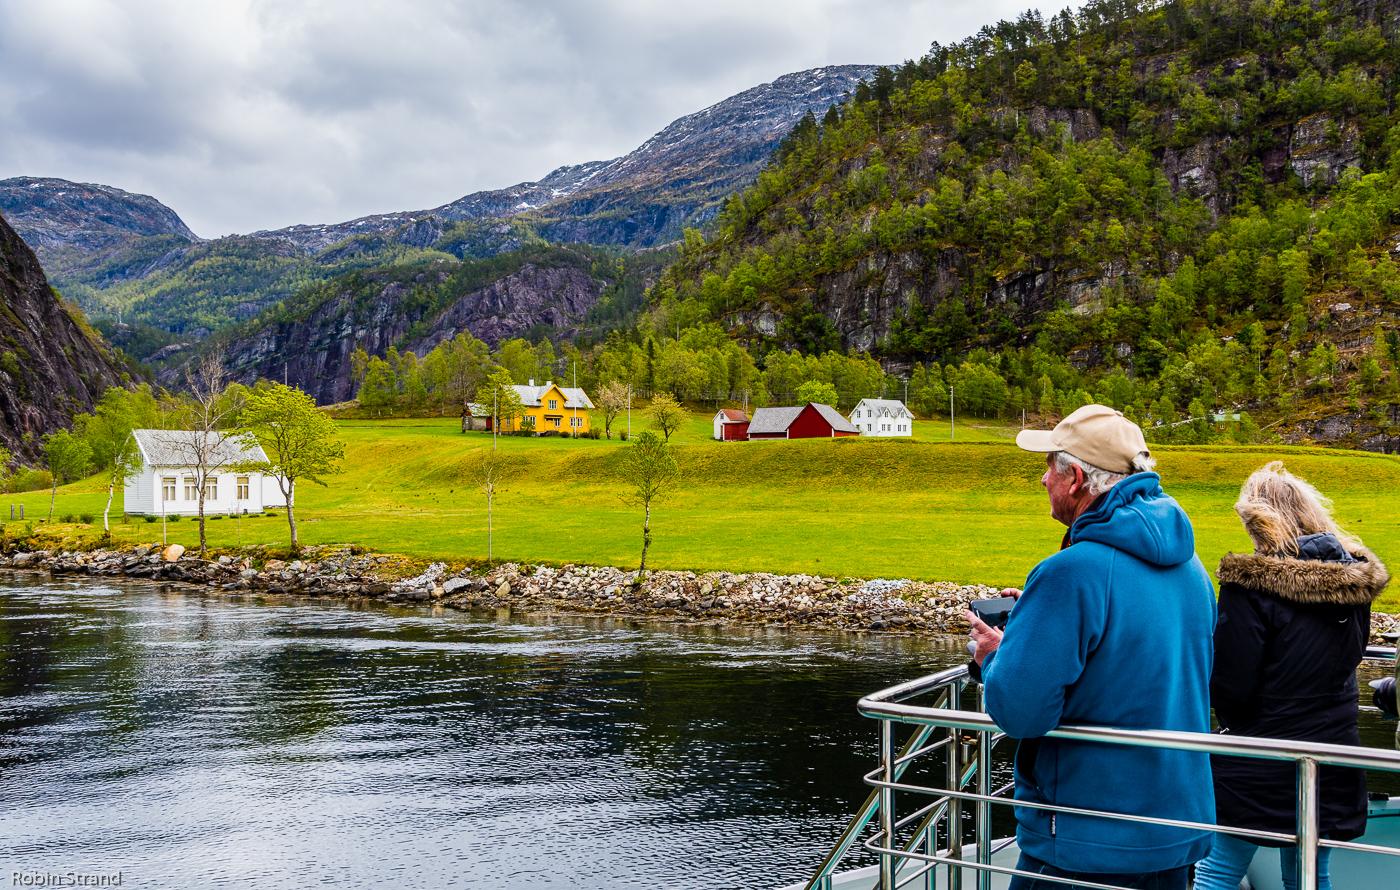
309, 341
52, 365
51, 214
109, 250
675, 178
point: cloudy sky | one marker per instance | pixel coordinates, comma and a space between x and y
250, 114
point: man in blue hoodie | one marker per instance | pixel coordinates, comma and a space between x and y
1113, 630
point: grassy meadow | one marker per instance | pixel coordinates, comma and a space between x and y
927, 508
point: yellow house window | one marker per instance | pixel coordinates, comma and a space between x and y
554, 404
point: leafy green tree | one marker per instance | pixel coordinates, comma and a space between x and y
107, 432
666, 413
649, 470
816, 391
68, 459
498, 393
300, 441
378, 390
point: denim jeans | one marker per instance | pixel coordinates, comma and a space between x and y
1171, 879
1229, 859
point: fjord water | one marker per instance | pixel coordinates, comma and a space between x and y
189, 739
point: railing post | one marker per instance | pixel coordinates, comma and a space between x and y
888, 754
1307, 827
984, 807
955, 768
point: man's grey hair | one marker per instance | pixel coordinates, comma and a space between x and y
1100, 480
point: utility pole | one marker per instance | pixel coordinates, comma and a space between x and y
495, 416
952, 421
629, 412
906, 391
575, 423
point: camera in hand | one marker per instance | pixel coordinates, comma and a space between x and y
994, 611
1384, 698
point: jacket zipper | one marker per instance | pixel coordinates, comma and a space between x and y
1052, 824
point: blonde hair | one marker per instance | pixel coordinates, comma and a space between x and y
1277, 508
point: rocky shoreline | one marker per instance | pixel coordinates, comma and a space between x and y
890, 606
881, 605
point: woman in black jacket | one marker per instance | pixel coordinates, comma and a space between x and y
1294, 619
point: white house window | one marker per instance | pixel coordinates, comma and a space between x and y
191, 490
211, 488
167, 488
243, 488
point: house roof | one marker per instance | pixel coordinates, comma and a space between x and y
175, 448
574, 397
833, 417
733, 415
886, 407
777, 420
773, 420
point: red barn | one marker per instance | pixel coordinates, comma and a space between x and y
731, 425
810, 421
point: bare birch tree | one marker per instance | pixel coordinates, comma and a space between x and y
612, 399
211, 442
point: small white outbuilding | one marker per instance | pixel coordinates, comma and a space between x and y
166, 481
883, 417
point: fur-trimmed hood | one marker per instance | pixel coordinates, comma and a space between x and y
1309, 580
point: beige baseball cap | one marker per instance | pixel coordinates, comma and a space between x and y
1096, 434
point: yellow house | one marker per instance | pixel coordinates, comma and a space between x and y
552, 408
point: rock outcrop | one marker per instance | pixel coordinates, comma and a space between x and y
313, 351
52, 365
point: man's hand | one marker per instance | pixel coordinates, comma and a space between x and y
986, 637
1013, 592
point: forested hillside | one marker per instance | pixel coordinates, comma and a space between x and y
1177, 208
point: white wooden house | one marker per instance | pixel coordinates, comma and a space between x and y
883, 417
167, 483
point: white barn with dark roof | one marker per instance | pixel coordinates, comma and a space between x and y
167, 483
883, 417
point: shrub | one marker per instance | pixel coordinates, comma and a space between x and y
173, 517
149, 518
622, 435
85, 518
215, 516
31, 479
593, 434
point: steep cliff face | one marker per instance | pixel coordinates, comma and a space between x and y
313, 351
51, 366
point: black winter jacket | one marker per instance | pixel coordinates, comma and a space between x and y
1288, 639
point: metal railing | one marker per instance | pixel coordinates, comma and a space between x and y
966, 739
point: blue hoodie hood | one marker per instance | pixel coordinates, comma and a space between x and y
1137, 517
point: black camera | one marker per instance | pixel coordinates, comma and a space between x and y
993, 612
1383, 696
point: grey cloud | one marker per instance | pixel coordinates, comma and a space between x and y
255, 115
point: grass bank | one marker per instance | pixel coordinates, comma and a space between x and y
928, 509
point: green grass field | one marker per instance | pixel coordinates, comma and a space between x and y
923, 508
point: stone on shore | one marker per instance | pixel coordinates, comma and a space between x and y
173, 552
